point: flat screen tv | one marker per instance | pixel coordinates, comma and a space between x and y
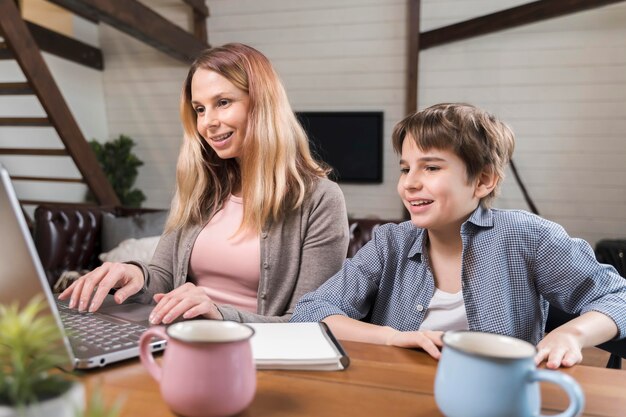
350, 142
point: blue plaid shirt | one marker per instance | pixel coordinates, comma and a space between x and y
514, 263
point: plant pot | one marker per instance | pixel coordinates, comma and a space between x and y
65, 405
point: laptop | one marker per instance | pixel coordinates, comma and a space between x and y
92, 339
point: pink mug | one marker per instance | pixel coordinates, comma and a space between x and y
207, 368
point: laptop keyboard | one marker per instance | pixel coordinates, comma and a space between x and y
88, 331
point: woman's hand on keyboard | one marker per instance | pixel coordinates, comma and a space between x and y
88, 292
188, 301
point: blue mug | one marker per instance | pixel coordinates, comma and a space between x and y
489, 375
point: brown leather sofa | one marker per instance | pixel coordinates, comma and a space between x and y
68, 238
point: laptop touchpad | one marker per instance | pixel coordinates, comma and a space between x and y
134, 312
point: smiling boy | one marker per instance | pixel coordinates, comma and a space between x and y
459, 264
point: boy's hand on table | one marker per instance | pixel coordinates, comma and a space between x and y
430, 341
559, 348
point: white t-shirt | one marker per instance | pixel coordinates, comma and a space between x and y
446, 312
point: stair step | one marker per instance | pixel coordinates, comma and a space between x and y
5, 52
24, 121
42, 202
12, 89
33, 151
47, 179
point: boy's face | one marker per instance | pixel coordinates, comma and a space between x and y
434, 188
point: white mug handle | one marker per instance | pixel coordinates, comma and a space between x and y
569, 385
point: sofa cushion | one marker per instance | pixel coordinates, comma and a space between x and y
140, 250
116, 229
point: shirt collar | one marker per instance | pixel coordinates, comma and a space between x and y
481, 217
418, 245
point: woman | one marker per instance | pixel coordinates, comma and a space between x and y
254, 223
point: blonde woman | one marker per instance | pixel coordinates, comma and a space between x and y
254, 223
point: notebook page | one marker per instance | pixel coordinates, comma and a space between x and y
302, 342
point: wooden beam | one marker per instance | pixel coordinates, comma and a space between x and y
33, 151
24, 121
507, 19
413, 56
199, 26
199, 6
5, 52
30, 60
46, 202
141, 22
66, 47
47, 179
13, 89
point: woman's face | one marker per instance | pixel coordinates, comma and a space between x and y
221, 111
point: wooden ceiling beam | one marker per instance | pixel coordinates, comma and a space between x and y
413, 56
507, 19
65, 47
141, 22
198, 6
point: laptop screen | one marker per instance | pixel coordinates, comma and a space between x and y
21, 273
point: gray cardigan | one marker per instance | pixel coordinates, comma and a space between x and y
298, 254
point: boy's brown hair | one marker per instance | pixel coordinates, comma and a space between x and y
477, 137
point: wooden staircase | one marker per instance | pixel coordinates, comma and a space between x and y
18, 44
23, 41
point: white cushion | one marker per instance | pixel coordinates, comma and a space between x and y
140, 250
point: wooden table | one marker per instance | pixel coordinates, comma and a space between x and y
380, 381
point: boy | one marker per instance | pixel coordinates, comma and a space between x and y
458, 264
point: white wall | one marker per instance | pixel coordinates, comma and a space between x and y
362, 70
559, 83
142, 94
331, 55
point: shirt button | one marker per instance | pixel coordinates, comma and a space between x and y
263, 296
264, 235
266, 265
419, 307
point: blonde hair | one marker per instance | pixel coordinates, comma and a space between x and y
276, 168
477, 137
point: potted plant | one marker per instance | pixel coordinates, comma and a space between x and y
119, 163
31, 350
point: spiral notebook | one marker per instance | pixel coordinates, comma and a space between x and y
297, 346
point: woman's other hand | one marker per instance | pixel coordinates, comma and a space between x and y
188, 301
88, 292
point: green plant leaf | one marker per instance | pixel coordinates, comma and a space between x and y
120, 165
30, 347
